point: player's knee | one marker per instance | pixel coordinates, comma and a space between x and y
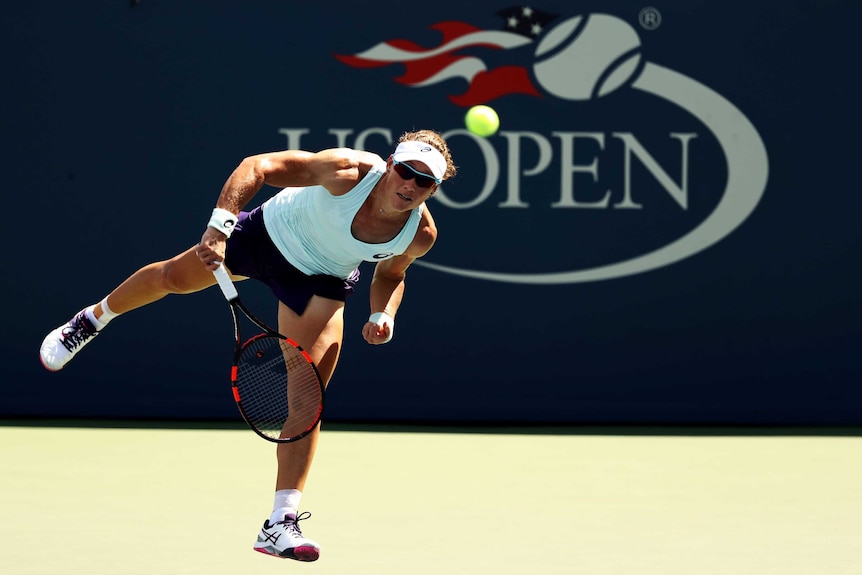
171, 279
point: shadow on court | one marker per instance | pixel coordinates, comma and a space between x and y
92, 497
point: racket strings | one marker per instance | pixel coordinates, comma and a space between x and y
278, 389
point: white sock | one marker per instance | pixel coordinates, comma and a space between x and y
107, 315
286, 503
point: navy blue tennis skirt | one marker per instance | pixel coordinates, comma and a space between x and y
251, 253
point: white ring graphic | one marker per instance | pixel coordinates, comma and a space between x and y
747, 175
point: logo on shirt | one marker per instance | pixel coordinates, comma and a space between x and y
383, 256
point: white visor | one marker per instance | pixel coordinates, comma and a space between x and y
421, 152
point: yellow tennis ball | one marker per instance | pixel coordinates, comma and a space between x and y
482, 121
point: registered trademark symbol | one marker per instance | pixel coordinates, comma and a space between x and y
650, 18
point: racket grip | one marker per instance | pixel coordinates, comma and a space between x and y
225, 283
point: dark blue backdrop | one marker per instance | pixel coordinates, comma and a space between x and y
121, 124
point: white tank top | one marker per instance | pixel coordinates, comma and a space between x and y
312, 228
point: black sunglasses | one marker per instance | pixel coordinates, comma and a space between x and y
405, 172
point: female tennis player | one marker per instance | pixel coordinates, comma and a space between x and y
337, 208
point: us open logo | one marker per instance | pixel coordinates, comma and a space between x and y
610, 125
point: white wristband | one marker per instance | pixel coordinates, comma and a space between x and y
382, 317
223, 221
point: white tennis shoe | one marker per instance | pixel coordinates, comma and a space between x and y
284, 539
61, 345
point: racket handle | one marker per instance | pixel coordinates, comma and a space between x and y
225, 283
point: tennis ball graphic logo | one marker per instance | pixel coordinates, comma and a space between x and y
587, 57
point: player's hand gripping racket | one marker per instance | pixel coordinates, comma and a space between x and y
275, 383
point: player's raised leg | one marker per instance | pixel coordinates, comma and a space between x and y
181, 274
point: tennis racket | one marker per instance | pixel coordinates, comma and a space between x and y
276, 385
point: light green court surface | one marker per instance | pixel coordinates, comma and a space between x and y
79, 501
